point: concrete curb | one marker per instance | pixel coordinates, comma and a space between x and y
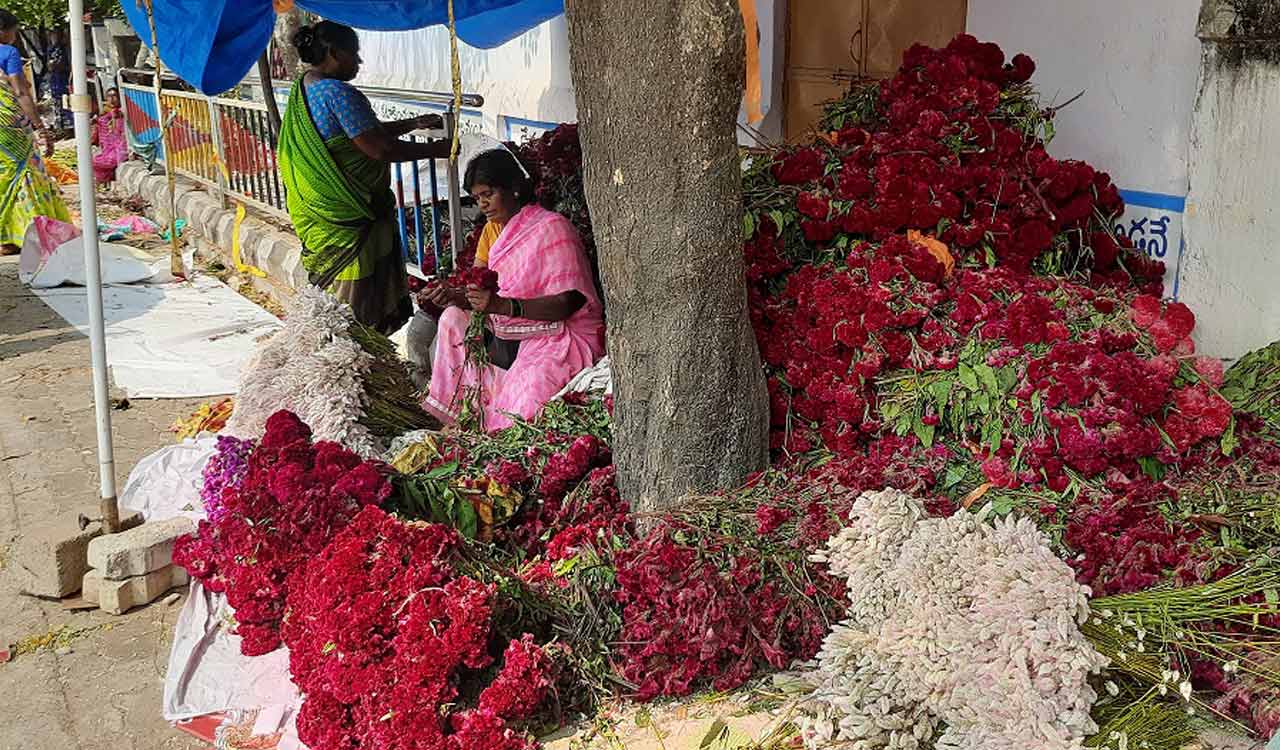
210, 226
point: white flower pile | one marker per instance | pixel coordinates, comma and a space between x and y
961, 636
313, 368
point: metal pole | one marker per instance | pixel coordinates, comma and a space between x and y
80, 109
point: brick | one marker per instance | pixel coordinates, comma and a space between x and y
118, 597
51, 557
138, 551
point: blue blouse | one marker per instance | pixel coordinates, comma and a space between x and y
10, 60
337, 107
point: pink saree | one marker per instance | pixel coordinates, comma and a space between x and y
108, 134
538, 254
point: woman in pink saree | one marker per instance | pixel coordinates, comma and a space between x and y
108, 136
546, 303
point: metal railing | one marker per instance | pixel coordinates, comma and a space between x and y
226, 145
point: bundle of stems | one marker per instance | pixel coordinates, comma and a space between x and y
1149, 723
391, 399
1154, 636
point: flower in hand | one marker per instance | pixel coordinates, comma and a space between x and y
485, 300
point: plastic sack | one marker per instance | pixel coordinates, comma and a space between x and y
166, 484
42, 239
53, 255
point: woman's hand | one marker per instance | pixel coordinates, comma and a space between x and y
442, 296
428, 122
483, 300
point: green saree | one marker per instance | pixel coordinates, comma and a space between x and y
343, 211
26, 191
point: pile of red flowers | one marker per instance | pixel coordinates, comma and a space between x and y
382, 634
938, 278
293, 498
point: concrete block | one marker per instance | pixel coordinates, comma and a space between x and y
293, 272
51, 557
222, 229
138, 551
118, 597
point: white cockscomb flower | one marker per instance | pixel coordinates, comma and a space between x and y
955, 625
313, 368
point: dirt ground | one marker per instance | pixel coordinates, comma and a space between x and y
80, 680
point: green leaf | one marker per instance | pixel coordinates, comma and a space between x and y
941, 392
1003, 504
466, 520
955, 475
968, 378
442, 471
748, 225
1229, 441
923, 431
1007, 377
990, 254
1152, 468
988, 378
993, 434
779, 219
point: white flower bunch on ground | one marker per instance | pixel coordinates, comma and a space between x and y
313, 368
960, 636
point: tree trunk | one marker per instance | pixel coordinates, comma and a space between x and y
287, 24
658, 85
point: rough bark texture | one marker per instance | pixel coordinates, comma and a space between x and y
658, 85
287, 24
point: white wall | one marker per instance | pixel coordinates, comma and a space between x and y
526, 82
1137, 62
1232, 268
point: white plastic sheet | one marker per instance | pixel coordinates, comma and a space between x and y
176, 340
50, 259
167, 483
207, 673
595, 379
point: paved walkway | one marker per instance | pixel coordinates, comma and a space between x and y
99, 687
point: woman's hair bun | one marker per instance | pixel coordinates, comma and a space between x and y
304, 40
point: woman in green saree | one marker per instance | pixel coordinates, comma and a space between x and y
25, 188
335, 158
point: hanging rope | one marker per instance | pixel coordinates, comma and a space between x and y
456, 69
240, 266
175, 254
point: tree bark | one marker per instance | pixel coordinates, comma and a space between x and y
658, 86
287, 24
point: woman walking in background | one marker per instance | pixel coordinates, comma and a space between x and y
335, 159
27, 190
108, 136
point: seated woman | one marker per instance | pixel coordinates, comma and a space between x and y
335, 159
546, 301
108, 136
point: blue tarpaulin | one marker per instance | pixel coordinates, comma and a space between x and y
212, 44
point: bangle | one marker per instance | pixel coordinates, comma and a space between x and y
517, 309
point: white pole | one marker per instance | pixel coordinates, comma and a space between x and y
81, 108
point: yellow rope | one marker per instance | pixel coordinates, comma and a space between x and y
456, 67
240, 266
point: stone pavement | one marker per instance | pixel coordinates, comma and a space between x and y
98, 686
